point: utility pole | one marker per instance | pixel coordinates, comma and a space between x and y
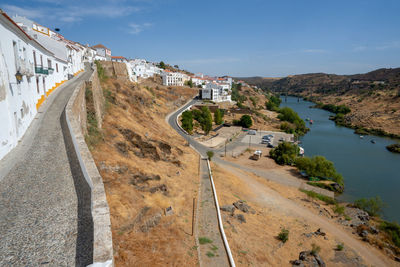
249, 140
225, 147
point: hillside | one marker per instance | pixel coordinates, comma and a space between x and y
373, 97
145, 164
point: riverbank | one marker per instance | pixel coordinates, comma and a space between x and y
284, 207
366, 166
367, 117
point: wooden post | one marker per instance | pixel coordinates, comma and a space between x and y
193, 214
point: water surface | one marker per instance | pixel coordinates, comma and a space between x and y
368, 169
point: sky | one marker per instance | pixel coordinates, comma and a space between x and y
231, 37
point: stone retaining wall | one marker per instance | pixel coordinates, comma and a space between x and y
76, 116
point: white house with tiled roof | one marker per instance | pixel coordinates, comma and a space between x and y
103, 53
29, 73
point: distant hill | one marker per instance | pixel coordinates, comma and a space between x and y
323, 83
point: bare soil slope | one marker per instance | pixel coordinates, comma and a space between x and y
147, 167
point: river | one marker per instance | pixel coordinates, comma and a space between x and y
368, 169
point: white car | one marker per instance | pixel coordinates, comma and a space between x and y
252, 132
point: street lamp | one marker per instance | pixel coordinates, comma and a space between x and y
18, 76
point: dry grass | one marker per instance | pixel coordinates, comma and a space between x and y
255, 242
136, 141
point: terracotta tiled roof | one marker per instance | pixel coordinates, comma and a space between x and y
118, 57
100, 46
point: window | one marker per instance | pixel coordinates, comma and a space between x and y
15, 54
37, 84
57, 67
34, 58
41, 61
49, 63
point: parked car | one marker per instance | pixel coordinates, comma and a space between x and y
252, 132
266, 137
265, 141
270, 145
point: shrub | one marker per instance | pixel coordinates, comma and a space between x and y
319, 166
246, 121
210, 154
339, 247
393, 230
283, 235
289, 115
395, 148
338, 209
218, 115
315, 249
187, 121
373, 206
285, 153
204, 117
327, 200
204, 240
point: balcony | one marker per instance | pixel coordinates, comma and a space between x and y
41, 70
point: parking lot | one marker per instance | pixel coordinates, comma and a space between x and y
257, 138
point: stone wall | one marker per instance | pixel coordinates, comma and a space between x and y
98, 97
75, 116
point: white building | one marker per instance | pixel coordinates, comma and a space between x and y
119, 59
28, 74
102, 52
141, 69
216, 92
71, 52
173, 78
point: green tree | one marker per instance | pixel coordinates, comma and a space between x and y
187, 121
162, 65
285, 153
319, 166
246, 121
189, 83
206, 120
218, 115
210, 154
373, 206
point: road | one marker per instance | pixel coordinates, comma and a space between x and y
45, 214
268, 196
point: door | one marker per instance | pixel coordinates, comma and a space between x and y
44, 86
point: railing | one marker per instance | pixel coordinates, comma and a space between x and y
41, 70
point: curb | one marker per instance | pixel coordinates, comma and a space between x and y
102, 236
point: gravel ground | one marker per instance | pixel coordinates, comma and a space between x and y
39, 198
208, 224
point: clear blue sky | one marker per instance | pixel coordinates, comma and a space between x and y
238, 38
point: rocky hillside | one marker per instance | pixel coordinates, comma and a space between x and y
373, 97
145, 165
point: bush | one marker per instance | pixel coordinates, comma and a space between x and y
273, 103
218, 115
187, 121
319, 166
339, 247
285, 153
204, 240
210, 154
373, 206
204, 117
312, 194
289, 115
315, 249
395, 148
338, 209
246, 121
283, 235
393, 230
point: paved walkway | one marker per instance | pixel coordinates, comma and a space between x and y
41, 192
212, 254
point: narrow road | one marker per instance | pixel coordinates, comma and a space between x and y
207, 223
45, 216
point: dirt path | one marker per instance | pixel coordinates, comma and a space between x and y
266, 196
211, 254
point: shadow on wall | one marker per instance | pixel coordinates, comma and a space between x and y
84, 241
